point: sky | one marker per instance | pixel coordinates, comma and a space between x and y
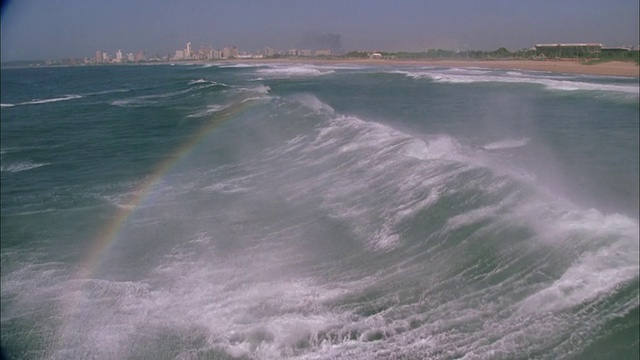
54, 29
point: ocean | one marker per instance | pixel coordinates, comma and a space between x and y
336, 211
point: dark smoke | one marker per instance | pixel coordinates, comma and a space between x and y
315, 41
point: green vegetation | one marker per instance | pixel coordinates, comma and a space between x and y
632, 55
606, 56
357, 55
617, 54
501, 53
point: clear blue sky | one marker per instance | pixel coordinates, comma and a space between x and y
39, 29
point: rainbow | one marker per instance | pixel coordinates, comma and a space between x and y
107, 236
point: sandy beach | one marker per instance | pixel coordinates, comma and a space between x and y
613, 68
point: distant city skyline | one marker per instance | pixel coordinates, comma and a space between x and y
189, 52
39, 29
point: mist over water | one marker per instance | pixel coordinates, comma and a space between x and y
318, 212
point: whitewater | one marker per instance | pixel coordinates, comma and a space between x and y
297, 211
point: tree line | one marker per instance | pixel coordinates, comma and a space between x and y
500, 53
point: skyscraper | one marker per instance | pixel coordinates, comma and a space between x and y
187, 52
140, 56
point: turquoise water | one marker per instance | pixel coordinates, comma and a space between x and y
274, 211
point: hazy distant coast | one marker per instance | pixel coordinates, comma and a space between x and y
611, 68
587, 58
608, 68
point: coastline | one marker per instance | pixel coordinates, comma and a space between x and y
612, 68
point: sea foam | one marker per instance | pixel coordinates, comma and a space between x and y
45, 101
550, 82
22, 166
286, 71
506, 144
211, 109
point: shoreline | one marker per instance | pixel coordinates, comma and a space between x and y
612, 68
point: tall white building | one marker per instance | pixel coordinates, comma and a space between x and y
188, 54
119, 56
